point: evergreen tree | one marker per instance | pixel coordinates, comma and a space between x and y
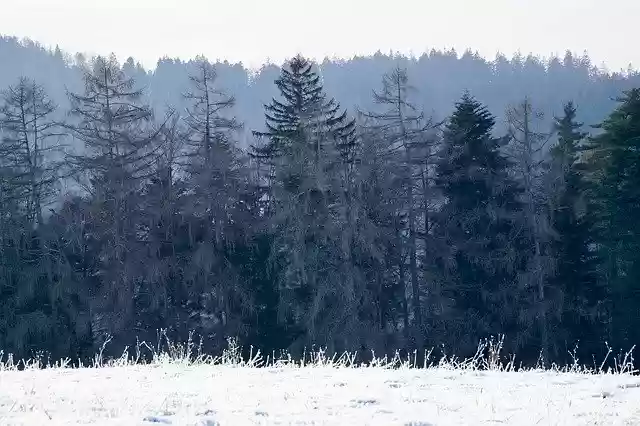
478, 223
303, 102
613, 160
312, 214
576, 262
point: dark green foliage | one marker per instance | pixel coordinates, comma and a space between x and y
613, 160
43, 307
303, 103
313, 214
478, 222
582, 316
265, 330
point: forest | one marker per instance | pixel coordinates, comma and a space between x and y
435, 203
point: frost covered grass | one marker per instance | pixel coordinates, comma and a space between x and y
181, 386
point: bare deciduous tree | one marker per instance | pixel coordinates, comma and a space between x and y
527, 151
30, 143
408, 136
120, 151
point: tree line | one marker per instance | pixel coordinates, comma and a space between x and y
383, 230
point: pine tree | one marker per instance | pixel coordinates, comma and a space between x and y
576, 274
478, 223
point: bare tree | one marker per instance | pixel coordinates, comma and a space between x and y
215, 170
40, 298
527, 151
407, 135
30, 144
120, 151
211, 148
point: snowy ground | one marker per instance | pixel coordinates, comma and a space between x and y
178, 393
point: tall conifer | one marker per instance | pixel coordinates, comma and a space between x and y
479, 224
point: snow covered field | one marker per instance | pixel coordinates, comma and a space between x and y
172, 391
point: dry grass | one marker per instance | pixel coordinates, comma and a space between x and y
181, 385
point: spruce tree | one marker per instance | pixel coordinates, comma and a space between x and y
478, 222
303, 102
614, 169
311, 211
576, 263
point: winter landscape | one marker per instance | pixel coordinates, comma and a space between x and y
348, 186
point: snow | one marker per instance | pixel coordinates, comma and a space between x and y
175, 393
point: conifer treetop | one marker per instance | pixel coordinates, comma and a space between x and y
303, 102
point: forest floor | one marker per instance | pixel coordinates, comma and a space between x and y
226, 391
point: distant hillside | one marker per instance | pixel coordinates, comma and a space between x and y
439, 78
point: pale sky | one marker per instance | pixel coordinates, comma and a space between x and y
253, 30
